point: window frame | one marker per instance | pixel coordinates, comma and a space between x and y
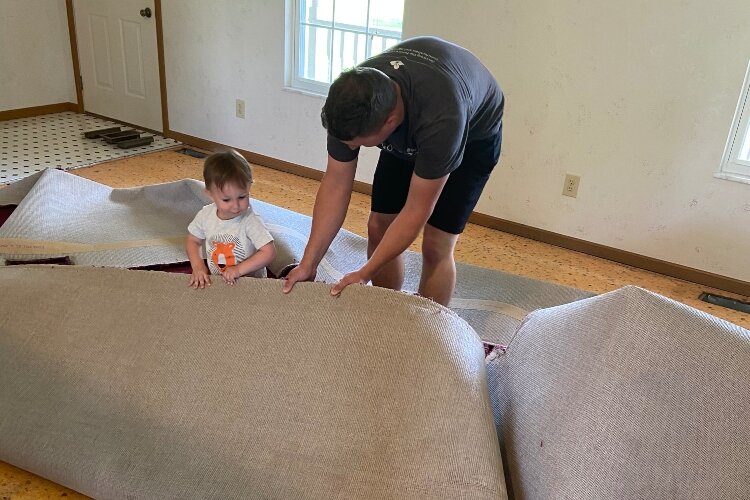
296, 46
733, 167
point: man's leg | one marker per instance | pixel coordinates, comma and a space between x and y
392, 274
438, 265
390, 187
452, 210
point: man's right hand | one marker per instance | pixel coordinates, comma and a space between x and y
331, 202
299, 273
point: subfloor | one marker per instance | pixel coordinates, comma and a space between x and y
478, 245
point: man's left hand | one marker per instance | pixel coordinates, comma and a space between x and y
357, 277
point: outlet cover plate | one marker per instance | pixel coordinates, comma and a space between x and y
570, 187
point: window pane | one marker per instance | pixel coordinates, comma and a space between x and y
744, 154
348, 50
736, 163
315, 46
380, 44
387, 15
334, 35
316, 12
351, 14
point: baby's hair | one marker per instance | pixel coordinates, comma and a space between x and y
227, 167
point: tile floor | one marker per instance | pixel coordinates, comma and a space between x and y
28, 145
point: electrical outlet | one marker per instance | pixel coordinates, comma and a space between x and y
240, 108
570, 188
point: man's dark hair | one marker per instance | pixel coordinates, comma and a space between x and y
227, 167
358, 103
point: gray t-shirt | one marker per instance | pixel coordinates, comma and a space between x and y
450, 99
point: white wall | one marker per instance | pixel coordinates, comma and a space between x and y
36, 67
216, 52
636, 97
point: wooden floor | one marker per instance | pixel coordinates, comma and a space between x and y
478, 245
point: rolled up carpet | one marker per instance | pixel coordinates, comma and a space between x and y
129, 384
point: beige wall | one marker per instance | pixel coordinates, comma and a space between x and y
219, 51
637, 98
36, 67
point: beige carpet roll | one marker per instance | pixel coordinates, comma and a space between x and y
129, 384
625, 395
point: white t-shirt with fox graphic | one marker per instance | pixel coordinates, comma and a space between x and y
229, 242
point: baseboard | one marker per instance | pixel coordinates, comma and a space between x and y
614, 254
259, 159
14, 114
609, 253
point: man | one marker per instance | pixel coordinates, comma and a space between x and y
436, 113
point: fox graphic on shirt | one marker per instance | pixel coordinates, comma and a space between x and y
229, 242
222, 253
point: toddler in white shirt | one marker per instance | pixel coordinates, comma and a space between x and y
236, 241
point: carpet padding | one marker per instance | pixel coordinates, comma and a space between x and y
60, 214
128, 384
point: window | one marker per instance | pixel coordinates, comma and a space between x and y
736, 163
333, 35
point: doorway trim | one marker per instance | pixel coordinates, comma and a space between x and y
162, 70
160, 55
74, 54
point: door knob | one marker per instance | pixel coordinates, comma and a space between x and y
146, 12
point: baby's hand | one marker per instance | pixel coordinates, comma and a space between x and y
230, 274
199, 279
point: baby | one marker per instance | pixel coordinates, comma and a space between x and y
236, 241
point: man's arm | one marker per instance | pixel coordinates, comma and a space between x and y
331, 204
421, 200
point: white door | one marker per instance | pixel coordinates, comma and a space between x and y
119, 62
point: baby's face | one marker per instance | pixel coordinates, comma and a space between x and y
231, 201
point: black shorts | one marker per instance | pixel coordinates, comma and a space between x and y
460, 194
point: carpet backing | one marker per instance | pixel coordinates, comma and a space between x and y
129, 384
60, 214
624, 395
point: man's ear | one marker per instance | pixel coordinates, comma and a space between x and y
391, 119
